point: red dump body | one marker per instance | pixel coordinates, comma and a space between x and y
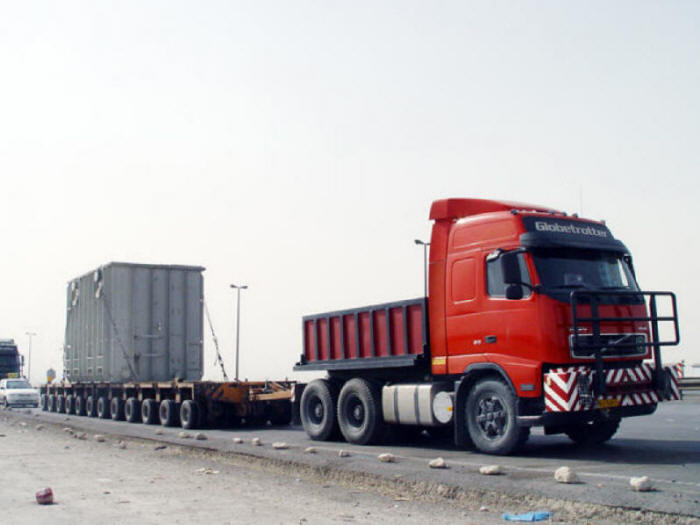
393, 333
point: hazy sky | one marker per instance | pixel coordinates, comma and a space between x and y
296, 147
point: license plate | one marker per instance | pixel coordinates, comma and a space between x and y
608, 403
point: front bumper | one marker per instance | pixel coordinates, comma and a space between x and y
28, 402
569, 389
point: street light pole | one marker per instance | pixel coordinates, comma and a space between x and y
29, 356
238, 319
425, 264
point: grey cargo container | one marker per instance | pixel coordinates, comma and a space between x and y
135, 322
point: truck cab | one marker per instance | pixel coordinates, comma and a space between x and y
10, 360
533, 317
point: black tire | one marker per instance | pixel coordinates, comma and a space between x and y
116, 408
360, 412
69, 403
103, 407
593, 432
149, 411
60, 404
90, 407
318, 410
491, 418
189, 414
44, 402
52, 403
132, 410
79, 405
169, 413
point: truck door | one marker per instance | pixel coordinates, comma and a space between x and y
463, 299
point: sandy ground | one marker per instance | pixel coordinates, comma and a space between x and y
97, 482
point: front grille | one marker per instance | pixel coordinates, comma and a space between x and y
611, 345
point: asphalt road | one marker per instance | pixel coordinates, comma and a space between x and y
664, 446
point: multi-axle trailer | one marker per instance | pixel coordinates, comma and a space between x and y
191, 404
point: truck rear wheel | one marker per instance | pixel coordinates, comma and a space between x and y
132, 410
103, 407
491, 418
168, 412
360, 412
90, 407
189, 414
592, 433
318, 410
116, 408
149, 411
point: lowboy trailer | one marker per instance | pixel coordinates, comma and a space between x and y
190, 404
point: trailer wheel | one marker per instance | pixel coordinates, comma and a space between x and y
116, 408
69, 403
149, 411
103, 407
79, 402
491, 418
44, 402
360, 412
189, 414
168, 412
52, 403
132, 410
60, 404
90, 407
318, 410
592, 433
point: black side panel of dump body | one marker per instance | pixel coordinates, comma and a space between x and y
389, 335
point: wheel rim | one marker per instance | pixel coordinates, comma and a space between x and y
492, 416
316, 411
355, 410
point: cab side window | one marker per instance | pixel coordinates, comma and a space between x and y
495, 285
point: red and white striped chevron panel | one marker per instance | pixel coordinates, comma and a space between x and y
561, 393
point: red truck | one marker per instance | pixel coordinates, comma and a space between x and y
533, 318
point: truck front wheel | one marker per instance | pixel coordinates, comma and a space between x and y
491, 418
318, 410
592, 433
360, 412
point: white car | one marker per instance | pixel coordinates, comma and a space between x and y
18, 392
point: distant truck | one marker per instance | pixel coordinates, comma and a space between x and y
10, 360
533, 318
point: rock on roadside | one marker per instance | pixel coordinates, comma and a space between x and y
437, 463
641, 484
565, 475
491, 470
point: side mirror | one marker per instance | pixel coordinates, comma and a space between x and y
514, 291
21, 360
511, 268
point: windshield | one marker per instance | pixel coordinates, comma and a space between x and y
565, 269
19, 383
8, 361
